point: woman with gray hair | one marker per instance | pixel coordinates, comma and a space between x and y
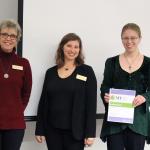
15, 87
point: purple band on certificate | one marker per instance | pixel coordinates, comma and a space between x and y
118, 119
122, 92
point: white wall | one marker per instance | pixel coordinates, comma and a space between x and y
97, 22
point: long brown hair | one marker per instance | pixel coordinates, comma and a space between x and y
60, 54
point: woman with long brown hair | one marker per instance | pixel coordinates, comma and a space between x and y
67, 108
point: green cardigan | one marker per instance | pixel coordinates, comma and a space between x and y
139, 80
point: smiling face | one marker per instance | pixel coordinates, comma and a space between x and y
8, 39
130, 40
71, 50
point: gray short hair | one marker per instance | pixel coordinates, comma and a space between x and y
11, 24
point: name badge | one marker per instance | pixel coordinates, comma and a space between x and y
80, 77
17, 67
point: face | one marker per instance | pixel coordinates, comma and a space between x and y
130, 40
8, 39
71, 50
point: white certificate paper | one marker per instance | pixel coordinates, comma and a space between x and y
120, 107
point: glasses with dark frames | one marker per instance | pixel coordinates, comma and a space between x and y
6, 35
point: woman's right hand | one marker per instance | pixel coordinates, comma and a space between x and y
106, 97
39, 138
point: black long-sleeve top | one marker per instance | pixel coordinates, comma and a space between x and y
79, 92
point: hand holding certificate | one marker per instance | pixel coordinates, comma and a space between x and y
120, 107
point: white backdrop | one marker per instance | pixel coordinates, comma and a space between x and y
97, 22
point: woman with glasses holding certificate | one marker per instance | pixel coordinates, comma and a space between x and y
15, 87
129, 71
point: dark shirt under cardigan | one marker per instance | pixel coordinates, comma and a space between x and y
14, 91
139, 80
60, 94
69, 103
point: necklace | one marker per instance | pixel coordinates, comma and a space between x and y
130, 64
6, 75
68, 68
5, 71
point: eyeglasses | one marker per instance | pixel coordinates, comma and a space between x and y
130, 38
6, 35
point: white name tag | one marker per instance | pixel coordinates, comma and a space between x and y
80, 77
17, 67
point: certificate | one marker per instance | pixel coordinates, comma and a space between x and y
120, 107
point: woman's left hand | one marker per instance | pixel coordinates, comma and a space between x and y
88, 141
138, 100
